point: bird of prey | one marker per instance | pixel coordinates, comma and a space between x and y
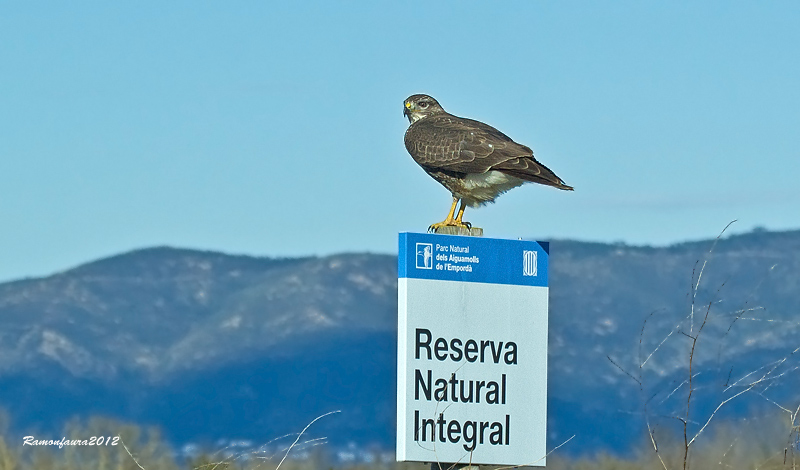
475, 161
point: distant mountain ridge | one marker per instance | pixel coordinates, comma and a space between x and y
210, 345
157, 311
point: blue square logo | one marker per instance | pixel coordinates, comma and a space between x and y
424, 256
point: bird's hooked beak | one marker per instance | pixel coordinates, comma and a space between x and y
407, 109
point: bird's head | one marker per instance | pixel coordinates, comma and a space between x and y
417, 107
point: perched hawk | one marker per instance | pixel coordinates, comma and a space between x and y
475, 161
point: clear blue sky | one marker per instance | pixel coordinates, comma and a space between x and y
277, 129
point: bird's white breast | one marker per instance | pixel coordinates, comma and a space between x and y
480, 188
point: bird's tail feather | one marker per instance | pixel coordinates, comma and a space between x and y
531, 170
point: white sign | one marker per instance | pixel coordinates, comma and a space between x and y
472, 350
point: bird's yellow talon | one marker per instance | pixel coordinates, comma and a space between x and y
449, 223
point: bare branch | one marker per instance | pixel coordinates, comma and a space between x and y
301, 433
534, 463
131, 455
623, 370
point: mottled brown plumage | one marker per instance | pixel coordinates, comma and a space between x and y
475, 161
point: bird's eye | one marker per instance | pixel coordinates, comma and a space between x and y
423, 105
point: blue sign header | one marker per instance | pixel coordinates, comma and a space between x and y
473, 259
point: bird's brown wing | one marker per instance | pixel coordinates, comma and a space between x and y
458, 145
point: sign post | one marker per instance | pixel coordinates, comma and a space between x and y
472, 350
